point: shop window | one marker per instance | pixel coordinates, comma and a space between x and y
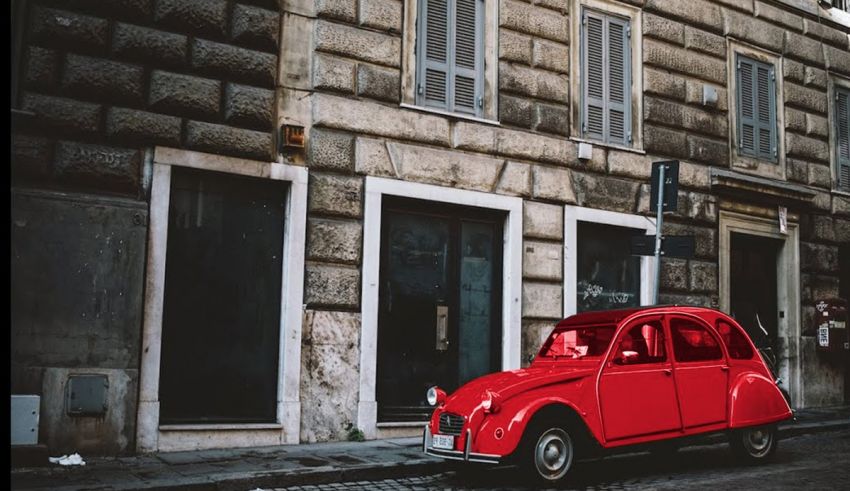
608, 274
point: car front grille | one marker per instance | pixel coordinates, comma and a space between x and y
451, 424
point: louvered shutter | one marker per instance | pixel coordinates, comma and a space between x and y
433, 70
756, 85
842, 136
606, 63
619, 93
450, 68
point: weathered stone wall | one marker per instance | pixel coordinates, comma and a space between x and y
358, 129
101, 83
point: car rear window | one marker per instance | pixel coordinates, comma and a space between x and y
580, 343
736, 342
693, 342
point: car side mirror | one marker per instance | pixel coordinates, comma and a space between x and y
626, 357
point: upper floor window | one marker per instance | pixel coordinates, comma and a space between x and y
450, 56
756, 114
605, 73
756, 111
841, 113
606, 85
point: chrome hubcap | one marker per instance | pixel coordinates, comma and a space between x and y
553, 453
758, 441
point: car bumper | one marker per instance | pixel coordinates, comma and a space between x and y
465, 455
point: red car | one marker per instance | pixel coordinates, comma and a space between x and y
649, 375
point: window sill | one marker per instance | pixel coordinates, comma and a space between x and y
638, 151
405, 424
840, 192
465, 117
222, 427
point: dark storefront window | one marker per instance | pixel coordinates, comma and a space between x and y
221, 316
608, 276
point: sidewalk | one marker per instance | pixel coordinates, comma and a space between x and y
266, 467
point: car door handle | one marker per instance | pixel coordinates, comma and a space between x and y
725, 369
668, 372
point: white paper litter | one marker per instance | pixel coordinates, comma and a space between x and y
73, 459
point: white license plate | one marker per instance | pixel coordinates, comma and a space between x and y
446, 442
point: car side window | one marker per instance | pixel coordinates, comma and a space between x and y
736, 342
641, 343
693, 342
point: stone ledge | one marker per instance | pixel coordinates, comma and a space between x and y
727, 182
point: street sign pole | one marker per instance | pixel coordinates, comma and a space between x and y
659, 219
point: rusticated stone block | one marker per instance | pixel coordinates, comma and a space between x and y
806, 98
334, 240
552, 183
248, 106
629, 164
664, 29
553, 118
384, 15
345, 10
184, 94
231, 62
542, 260
663, 83
61, 29
804, 49
551, 56
333, 73
204, 17
515, 180
97, 78
41, 68
694, 12
112, 167
357, 43
131, 125
514, 46
542, 300
147, 45
542, 220
705, 42
711, 152
371, 158
522, 80
226, 140
534, 20
255, 27
378, 82
703, 276
67, 115
663, 55
606, 193
756, 31
663, 141
516, 111
837, 59
805, 147
331, 150
674, 274
335, 195
327, 285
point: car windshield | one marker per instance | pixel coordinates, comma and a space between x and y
578, 343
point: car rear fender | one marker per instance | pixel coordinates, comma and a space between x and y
755, 399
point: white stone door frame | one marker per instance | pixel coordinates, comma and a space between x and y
376, 188
787, 287
150, 435
575, 214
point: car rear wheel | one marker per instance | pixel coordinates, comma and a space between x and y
755, 444
552, 452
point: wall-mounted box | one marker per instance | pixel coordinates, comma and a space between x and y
85, 395
25, 413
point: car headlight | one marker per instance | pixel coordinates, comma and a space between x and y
435, 396
490, 401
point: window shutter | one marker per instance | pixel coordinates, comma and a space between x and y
842, 134
619, 93
433, 86
756, 85
606, 63
593, 60
746, 111
467, 46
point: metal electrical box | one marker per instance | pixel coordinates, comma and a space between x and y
25, 412
86, 395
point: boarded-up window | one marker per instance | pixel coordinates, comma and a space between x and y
606, 78
450, 65
756, 98
842, 138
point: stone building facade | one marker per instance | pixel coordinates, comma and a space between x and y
440, 196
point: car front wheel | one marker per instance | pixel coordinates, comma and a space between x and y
552, 453
755, 444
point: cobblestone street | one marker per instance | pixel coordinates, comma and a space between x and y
804, 462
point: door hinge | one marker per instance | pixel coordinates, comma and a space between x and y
629, 135
419, 89
628, 31
584, 127
480, 102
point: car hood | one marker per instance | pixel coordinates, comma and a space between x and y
510, 383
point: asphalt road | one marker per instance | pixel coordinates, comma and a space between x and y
818, 461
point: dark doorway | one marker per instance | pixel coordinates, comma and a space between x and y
844, 293
440, 296
221, 312
753, 288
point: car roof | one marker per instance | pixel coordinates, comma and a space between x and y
614, 316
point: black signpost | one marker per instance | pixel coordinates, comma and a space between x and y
664, 195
